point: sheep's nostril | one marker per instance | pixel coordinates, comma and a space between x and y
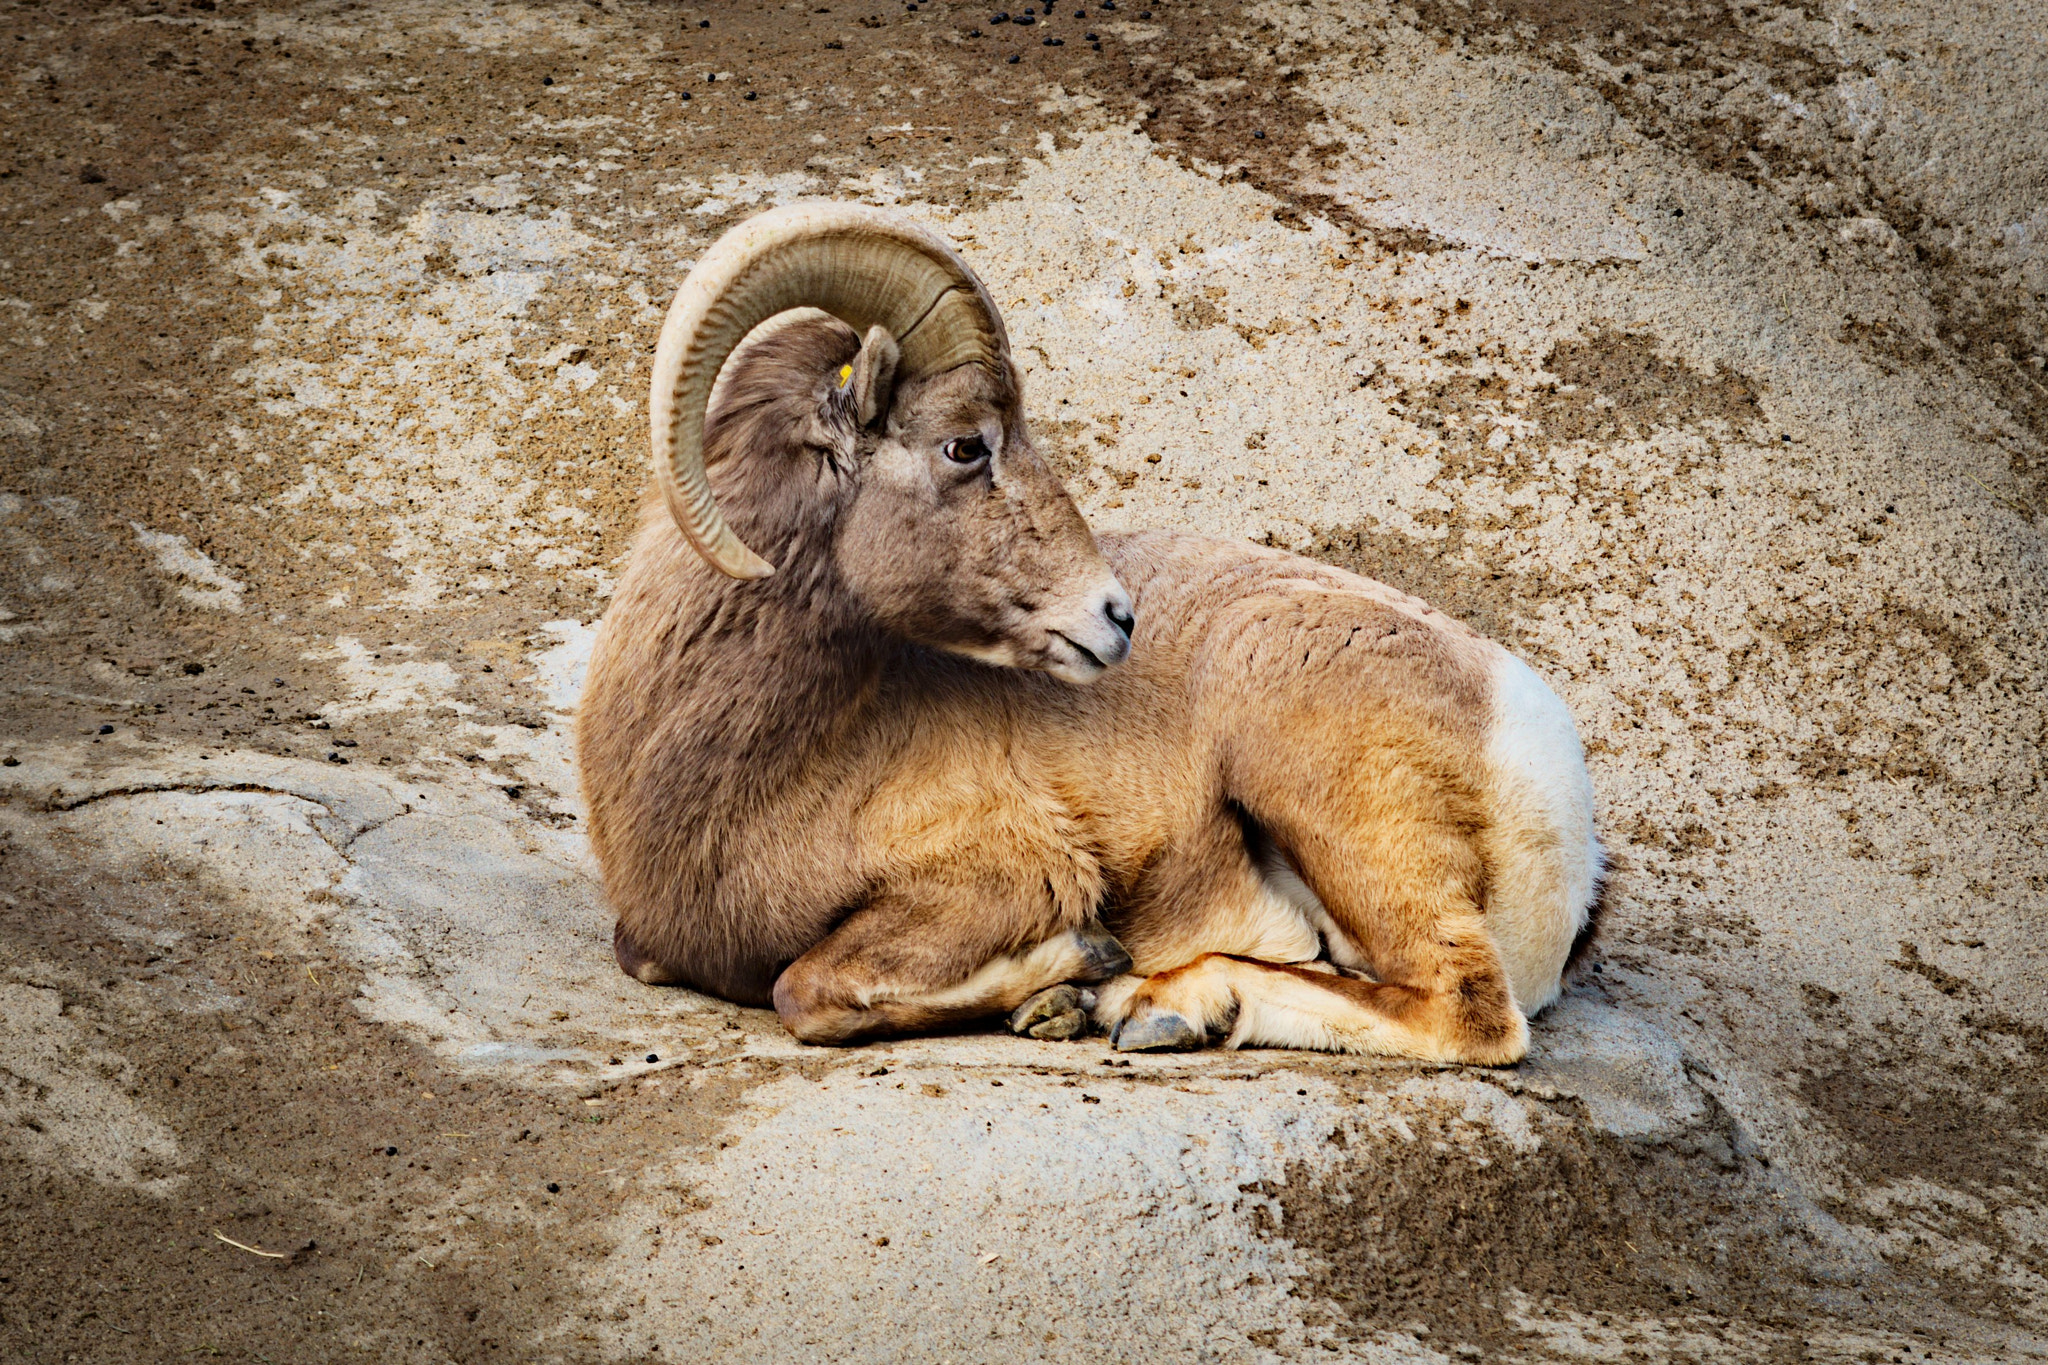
1120, 616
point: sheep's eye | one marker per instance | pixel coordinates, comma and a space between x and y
966, 449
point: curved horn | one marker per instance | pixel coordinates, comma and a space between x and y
862, 265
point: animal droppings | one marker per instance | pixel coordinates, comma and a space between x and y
106, 729
553, 1188
652, 1057
750, 94
391, 1151
1013, 59
547, 80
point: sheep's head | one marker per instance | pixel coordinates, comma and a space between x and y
958, 535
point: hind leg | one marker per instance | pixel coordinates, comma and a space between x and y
1243, 1003
1401, 887
929, 957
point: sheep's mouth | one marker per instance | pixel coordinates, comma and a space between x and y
1085, 668
1083, 650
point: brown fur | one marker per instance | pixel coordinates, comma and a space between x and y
801, 794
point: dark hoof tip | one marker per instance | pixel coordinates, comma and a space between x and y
1156, 1031
1050, 1004
1102, 957
1061, 1028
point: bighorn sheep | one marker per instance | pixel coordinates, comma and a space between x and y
947, 757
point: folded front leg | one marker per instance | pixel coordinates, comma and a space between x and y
919, 960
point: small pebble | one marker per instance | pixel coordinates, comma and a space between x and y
194, 670
277, 682
553, 1188
652, 1057
106, 729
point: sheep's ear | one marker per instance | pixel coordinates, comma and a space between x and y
873, 375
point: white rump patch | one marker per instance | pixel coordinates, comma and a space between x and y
1545, 855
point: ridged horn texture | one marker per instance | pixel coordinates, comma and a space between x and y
864, 266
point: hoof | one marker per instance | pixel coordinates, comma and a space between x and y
1156, 1031
1045, 1014
1061, 1028
1102, 957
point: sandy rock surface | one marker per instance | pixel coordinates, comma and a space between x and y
1695, 350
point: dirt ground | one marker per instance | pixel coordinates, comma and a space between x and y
1696, 349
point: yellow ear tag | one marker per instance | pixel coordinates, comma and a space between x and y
845, 374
